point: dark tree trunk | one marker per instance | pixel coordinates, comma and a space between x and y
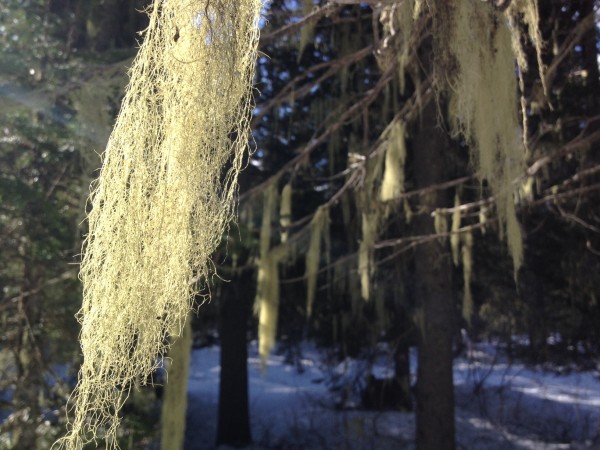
402, 332
435, 310
531, 291
402, 371
234, 421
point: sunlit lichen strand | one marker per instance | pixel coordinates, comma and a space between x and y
392, 185
285, 211
483, 106
455, 236
319, 226
163, 199
467, 262
266, 304
370, 223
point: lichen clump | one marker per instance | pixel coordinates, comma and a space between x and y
163, 199
483, 96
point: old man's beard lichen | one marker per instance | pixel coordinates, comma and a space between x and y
163, 199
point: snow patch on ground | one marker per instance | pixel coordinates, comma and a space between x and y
499, 405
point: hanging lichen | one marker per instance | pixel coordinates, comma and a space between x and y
483, 102
266, 305
268, 215
483, 219
306, 32
392, 186
408, 212
418, 8
405, 20
440, 222
318, 229
163, 199
527, 10
285, 211
397, 21
526, 189
371, 189
365, 253
467, 263
175, 392
455, 236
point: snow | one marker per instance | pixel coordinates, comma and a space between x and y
499, 405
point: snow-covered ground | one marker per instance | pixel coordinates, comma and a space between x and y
499, 405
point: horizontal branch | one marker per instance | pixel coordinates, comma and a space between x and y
289, 89
582, 143
317, 14
69, 275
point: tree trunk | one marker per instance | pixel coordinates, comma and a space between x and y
234, 420
435, 311
401, 332
175, 397
531, 291
402, 371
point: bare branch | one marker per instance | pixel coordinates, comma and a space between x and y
568, 44
316, 15
289, 89
578, 144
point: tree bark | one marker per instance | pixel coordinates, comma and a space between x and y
234, 420
435, 310
402, 371
531, 291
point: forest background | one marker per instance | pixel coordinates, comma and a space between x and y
344, 90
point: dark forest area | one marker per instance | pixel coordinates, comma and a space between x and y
421, 186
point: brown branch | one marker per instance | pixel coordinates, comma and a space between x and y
576, 219
576, 178
289, 89
577, 33
592, 250
69, 275
412, 241
56, 181
567, 194
488, 200
429, 237
368, 98
464, 206
315, 15
410, 108
580, 143
436, 187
